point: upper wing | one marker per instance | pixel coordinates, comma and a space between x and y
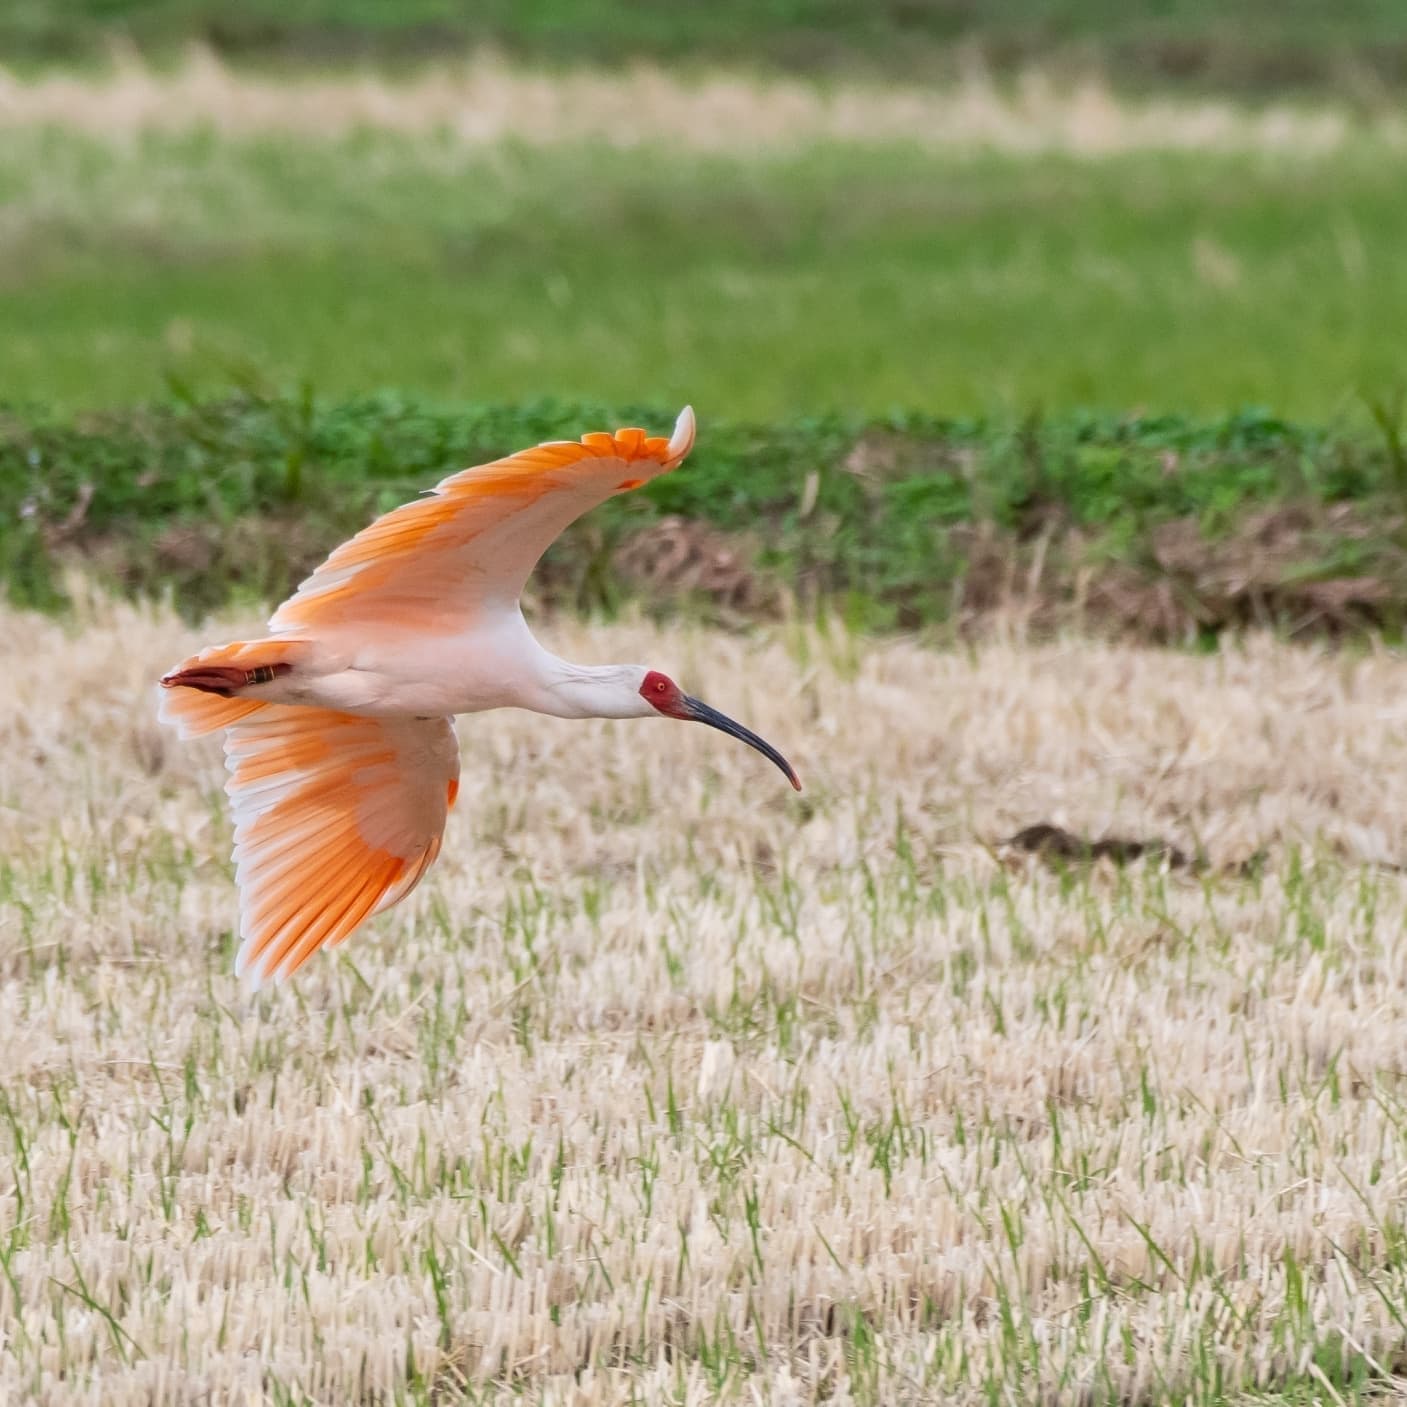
478, 535
336, 818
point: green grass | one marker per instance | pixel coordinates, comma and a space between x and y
905, 520
837, 278
1262, 44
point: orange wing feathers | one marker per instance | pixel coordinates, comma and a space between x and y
478, 535
336, 818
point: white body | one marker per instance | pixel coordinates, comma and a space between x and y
496, 664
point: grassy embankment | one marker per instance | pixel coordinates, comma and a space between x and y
1165, 528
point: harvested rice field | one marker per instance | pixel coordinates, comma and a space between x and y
669, 1085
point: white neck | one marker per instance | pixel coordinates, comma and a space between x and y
565, 690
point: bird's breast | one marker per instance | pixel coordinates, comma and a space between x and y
395, 674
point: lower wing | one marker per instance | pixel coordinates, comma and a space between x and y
336, 818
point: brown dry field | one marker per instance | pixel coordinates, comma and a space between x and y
669, 1086
486, 101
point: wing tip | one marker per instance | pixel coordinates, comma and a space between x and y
260, 973
682, 440
252, 970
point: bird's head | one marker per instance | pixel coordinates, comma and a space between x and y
663, 696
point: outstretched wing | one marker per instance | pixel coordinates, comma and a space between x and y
476, 538
336, 818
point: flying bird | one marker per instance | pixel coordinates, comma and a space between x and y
338, 726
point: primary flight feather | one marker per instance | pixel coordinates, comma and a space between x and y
338, 727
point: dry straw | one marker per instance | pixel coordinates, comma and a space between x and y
669, 1086
484, 101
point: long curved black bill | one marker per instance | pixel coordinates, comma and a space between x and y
700, 712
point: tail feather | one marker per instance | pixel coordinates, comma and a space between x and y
205, 693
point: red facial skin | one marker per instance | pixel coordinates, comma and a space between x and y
663, 695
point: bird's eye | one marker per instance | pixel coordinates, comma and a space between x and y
660, 686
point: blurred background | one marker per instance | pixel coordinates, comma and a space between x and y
766, 207
1016, 213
